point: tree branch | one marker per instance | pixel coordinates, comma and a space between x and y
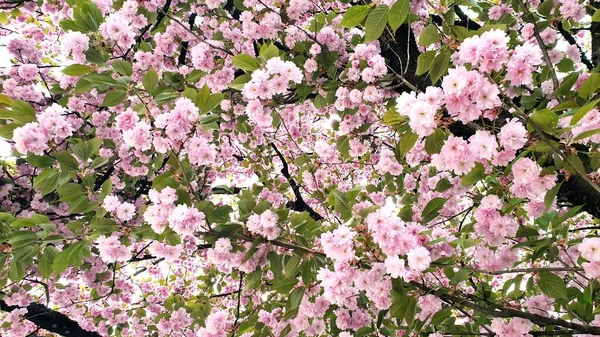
510, 313
572, 41
299, 204
51, 320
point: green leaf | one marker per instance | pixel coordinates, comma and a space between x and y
581, 112
67, 162
71, 255
586, 134
432, 209
76, 70
476, 174
284, 285
40, 161
552, 285
403, 307
268, 52
22, 111
398, 14
443, 185
596, 16
551, 195
122, 67
240, 81
150, 81
68, 25
292, 265
567, 84
16, 271
46, 261
590, 86
171, 238
439, 65
84, 150
461, 33
435, 141
47, 181
429, 35
354, 16
341, 204
253, 279
94, 56
101, 80
22, 238
364, 331
208, 101
343, 145
460, 276
294, 299
391, 116
425, 61
407, 142
253, 249
275, 264
545, 119
245, 62
545, 7
166, 95
376, 22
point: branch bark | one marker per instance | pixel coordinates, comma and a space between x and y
299, 204
51, 320
510, 313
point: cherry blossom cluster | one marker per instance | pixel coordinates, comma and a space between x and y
264, 224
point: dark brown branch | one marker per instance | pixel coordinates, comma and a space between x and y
572, 41
185, 44
104, 177
465, 21
510, 313
150, 257
51, 320
239, 304
595, 32
299, 204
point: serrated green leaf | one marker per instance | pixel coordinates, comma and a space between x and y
407, 142
76, 70
122, 67
292, 265
354, 16
435, 141
552, 285
84, 150
46, 261
432, 209
429, 35
67, 162
376, 22
47, 181
294, 299
150, 81
477, 173
425, 61
589, 86
439, 66
245, 62
398, 14
581, 112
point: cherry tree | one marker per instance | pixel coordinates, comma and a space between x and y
300, 168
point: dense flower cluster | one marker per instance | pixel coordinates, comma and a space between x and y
299, 168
